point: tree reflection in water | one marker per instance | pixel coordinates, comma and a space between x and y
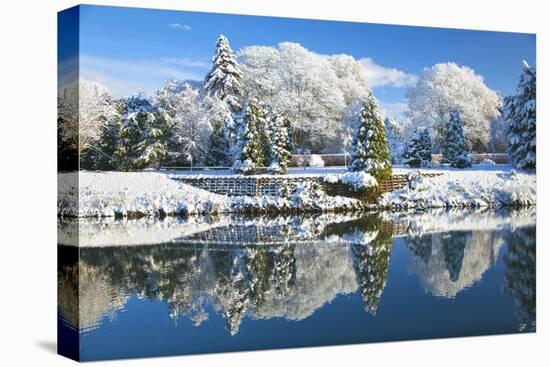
287, 267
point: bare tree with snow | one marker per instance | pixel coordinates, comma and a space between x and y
187, 115
313, 90
84, 109
447, 87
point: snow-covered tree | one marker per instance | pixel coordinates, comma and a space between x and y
196, 123
84, 109
455, 150
190, 127
311, 89
101, 157
418, 152
369, 147
223, 135
350, 78
224, 78
520, 113
141, 140
447, 87
280, 143
394, 136
255, 140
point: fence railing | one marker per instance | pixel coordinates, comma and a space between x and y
271, 185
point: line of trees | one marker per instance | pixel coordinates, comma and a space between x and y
255, 108
519, 130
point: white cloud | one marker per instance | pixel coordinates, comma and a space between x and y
380, 76
185, 61
392, 109
125, 77
184, 27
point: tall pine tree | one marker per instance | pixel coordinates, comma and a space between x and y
520, 112
418, 152
254, 139
223, 82
369, 147
455, 150
224, 78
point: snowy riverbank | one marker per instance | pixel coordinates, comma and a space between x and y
464, 189
151, 193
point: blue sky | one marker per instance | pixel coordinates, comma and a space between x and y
129, 49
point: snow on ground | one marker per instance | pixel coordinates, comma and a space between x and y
155, 193
151, 193
106, 194
483, 187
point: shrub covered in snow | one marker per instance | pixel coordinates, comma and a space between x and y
316, 160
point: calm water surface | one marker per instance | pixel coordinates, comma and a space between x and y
179, 286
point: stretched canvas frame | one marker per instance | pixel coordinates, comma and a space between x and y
186, 245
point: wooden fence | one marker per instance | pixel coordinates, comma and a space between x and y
271, 185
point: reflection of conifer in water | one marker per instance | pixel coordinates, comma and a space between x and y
421, 247
232, 290
519, 278
284, 269
259, 264
453, 249
371, 262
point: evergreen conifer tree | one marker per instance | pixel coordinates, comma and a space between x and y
455, 150
224, 78
254, 139
280, 140
369, 147
520, 112
219, 149
418, 152
141, 140
223, 82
